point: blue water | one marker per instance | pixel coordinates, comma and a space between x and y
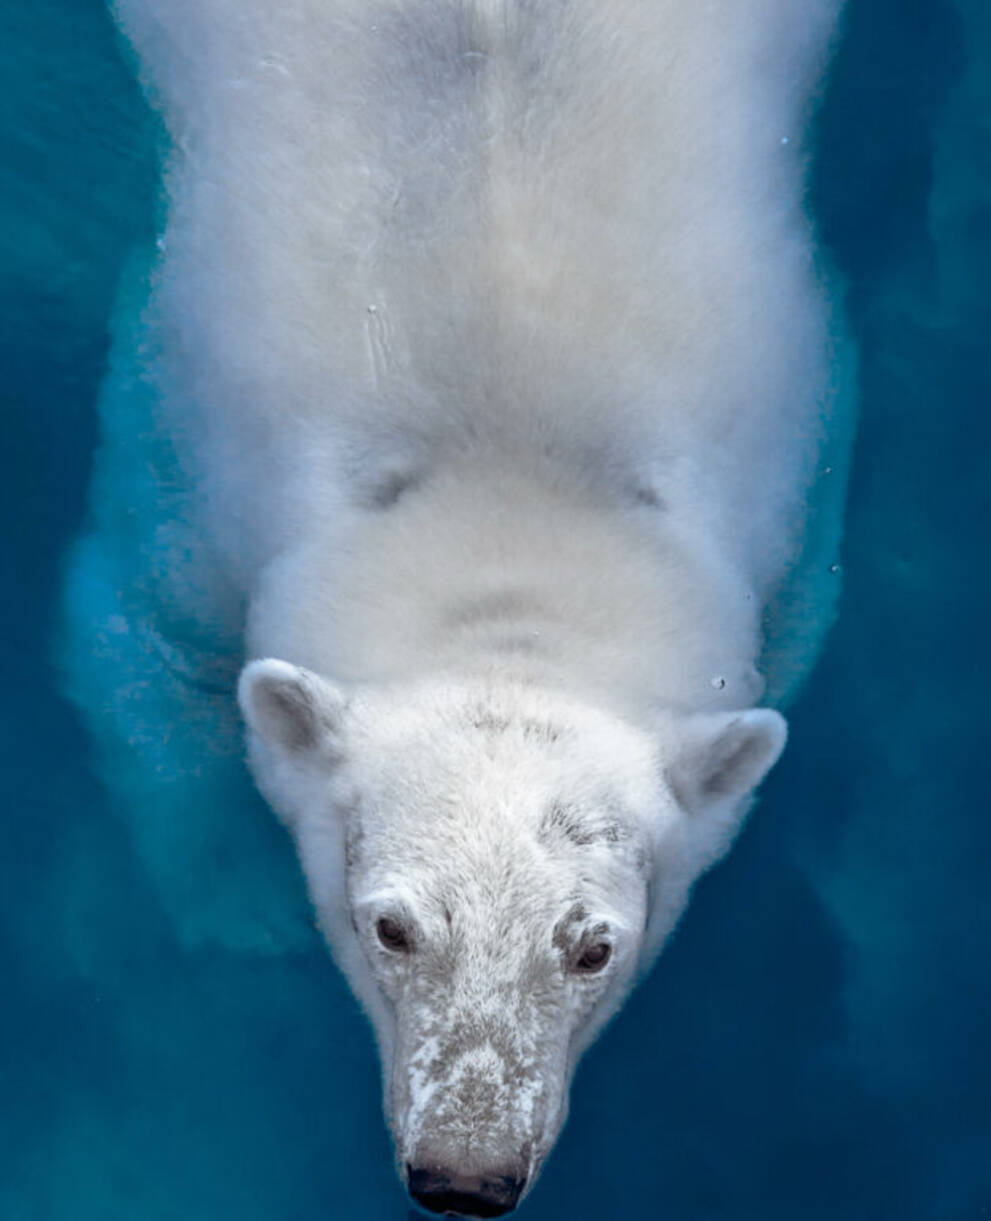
815, 1043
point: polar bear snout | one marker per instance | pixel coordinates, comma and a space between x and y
474, 1123
441, 1189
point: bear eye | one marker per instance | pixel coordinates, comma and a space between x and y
392, 934
595, 958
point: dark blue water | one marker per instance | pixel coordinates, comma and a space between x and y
814, 1044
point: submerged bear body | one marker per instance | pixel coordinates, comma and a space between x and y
495, 359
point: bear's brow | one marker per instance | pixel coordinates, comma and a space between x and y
563, 820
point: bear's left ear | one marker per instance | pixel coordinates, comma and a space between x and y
716, 760
291, 709
722, 757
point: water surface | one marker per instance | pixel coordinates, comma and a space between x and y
813, 1045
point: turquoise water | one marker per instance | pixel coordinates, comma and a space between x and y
815, 1042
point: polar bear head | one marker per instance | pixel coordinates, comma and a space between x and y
492, 866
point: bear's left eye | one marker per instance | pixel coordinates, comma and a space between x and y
392, 934
595, 957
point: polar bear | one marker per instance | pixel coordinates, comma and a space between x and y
490, 339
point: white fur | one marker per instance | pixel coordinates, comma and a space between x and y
490, 334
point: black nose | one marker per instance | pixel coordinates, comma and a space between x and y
464, 1195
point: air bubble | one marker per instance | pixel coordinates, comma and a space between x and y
718, 683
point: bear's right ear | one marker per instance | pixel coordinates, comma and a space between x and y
291, 709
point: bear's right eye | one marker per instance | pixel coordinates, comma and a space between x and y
392, 934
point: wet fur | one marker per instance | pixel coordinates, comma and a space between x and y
491, 338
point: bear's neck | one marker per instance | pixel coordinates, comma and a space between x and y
490, 574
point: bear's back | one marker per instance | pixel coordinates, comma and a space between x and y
404, 227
